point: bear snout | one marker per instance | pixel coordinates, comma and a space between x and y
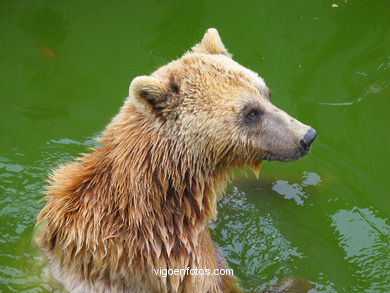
308, 139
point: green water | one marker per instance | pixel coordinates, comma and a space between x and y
65, 68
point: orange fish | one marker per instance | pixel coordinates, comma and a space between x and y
47, 51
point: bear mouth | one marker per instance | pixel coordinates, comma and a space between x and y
287, 156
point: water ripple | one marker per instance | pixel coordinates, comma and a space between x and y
365, 239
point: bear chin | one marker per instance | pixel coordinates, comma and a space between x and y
285, 156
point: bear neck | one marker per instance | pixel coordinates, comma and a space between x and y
155, 178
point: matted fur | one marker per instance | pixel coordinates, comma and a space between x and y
143, 199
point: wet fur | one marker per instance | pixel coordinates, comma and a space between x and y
143, 199
138, 202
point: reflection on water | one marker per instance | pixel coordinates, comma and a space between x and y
19, 207
296, 191
21, 185
365, 239
251, 243
342, 103
323, 285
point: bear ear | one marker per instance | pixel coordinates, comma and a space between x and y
147, 93
211, 44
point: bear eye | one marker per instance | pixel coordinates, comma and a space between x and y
252, 114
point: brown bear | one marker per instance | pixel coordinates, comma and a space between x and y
142, 200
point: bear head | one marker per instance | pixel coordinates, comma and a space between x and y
219, 109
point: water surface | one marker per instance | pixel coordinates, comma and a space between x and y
65, 69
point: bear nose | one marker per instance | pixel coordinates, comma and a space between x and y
309, 137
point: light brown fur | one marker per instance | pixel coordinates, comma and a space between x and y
143, 199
